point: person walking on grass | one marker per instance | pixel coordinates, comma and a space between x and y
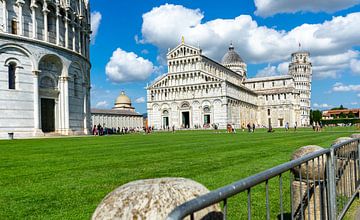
253, 127
295, 126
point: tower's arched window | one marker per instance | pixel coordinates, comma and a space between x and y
11, 73
14, 26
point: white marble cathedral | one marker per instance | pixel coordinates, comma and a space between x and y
198, 92
45, 68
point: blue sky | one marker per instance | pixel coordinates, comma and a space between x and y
130, 39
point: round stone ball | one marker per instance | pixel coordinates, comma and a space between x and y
153, 199
314, 169
345, 151
357, 135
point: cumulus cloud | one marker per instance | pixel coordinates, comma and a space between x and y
95, 24
265, 8
324, 105
127, 66
163, 27
281, 69
331, 66
358, 95
340, 87
102, 104
140, 100
355, 66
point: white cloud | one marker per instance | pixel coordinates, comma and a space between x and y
163, 27
331, 66
267, 8
102, 104
281, 69
340, 87
358, 95
140, 100
127, 66
322, 106
95, 24
355, 66
354, 103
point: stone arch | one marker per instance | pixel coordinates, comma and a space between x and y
185, 105
17, 48
206, 103
51, 65
164, 106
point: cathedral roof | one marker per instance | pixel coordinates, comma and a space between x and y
231, 57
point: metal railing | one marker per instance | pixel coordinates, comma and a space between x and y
322, 185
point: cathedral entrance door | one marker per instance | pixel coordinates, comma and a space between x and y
48, 115
206, 119
165, 122
186, 119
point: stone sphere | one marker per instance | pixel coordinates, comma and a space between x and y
345, 151
153, 199
341, 139
313, 167
357, 135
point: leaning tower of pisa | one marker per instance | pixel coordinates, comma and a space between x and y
301, 69
44, 67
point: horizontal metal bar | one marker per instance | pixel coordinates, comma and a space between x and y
220, 194
343, 143
230, 190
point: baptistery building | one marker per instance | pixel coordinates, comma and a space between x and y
199, 92
45, 68
122, 115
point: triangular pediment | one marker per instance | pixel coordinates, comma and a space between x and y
163, 82
183, 50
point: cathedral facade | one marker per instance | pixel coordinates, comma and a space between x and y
45, 67
199, 92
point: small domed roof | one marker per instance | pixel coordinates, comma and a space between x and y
231, 57
123, 99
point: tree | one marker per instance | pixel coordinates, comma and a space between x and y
342, 115
351, 115
315, 116
339, 108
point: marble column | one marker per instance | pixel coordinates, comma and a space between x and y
85, 110
33, 17
66, 104
73, 36
45, 13
5, 19
57, 24
20, 4
66, 30
36, 103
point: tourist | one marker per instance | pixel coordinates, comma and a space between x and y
94, 131
173, 128
295, 126
253, 127
249, 127
287, 126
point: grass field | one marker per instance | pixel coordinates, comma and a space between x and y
66, 178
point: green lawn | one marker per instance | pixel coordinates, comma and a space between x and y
66, 178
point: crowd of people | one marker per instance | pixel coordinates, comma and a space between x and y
100, 130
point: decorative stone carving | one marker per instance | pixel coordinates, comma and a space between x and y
153, 199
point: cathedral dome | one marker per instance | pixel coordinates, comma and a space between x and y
123, 101
231, 57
